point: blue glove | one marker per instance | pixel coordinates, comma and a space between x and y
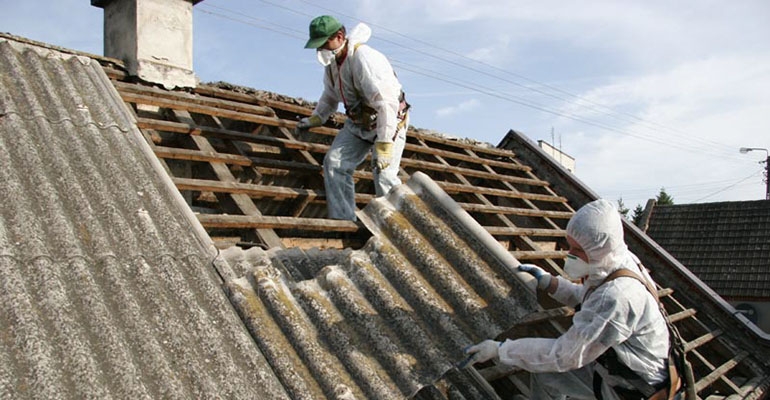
481, 352
543, 278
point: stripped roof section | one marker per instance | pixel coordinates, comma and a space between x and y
106, 288
389, 319
255, 180
727, 244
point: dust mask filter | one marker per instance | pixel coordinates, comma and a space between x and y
575, 267
325, 57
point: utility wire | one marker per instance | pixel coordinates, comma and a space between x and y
492, 93
496, 94
300, 35
610, 112
728, 187
262, 23
686, 146
668, 187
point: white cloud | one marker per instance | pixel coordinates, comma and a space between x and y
462, 108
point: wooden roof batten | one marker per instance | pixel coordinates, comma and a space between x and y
190, 128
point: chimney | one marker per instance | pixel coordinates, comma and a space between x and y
153, 37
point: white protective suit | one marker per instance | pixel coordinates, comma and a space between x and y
620, 314
365, 77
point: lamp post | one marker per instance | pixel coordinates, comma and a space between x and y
745, 150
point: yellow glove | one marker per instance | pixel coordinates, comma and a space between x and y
384, 153
307, 123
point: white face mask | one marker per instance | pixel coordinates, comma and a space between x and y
575, 267
325, 57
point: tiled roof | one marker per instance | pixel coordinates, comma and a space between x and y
106, 285
340, 308
726, 244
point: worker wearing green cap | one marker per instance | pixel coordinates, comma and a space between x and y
363, 80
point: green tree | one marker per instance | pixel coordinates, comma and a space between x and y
664, 199
636, 217
622, 209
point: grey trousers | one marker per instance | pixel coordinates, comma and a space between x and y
348, 150
577, 384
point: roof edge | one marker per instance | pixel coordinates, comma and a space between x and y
101, 59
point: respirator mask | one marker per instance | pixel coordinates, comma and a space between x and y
325, 57
576, 268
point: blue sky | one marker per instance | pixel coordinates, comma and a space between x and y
644, 94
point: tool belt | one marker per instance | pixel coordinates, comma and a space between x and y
365, 117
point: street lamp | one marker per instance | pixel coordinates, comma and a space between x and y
745, 150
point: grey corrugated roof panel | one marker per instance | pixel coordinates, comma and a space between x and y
391, 318
106, 283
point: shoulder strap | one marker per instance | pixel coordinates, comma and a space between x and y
624, 273
631, 274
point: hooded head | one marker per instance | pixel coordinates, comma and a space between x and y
597, 228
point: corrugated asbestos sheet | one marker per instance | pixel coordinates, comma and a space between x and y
106, 289
387, 320
727, 244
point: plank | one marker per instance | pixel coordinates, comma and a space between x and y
516, 231
277, 222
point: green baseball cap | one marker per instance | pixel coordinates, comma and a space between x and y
321, 28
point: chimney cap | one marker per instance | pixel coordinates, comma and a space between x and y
104, 3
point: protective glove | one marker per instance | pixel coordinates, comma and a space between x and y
309, 122
481, 352
384, 151
543, 278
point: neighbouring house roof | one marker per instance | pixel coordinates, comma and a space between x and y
726, 244
336, 309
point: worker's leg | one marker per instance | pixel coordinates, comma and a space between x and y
576, 384
345, 154
388, 178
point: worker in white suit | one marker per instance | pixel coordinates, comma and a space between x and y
362, 79
617, 320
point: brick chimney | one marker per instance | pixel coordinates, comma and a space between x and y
153, 37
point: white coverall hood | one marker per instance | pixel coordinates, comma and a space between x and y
597, 228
